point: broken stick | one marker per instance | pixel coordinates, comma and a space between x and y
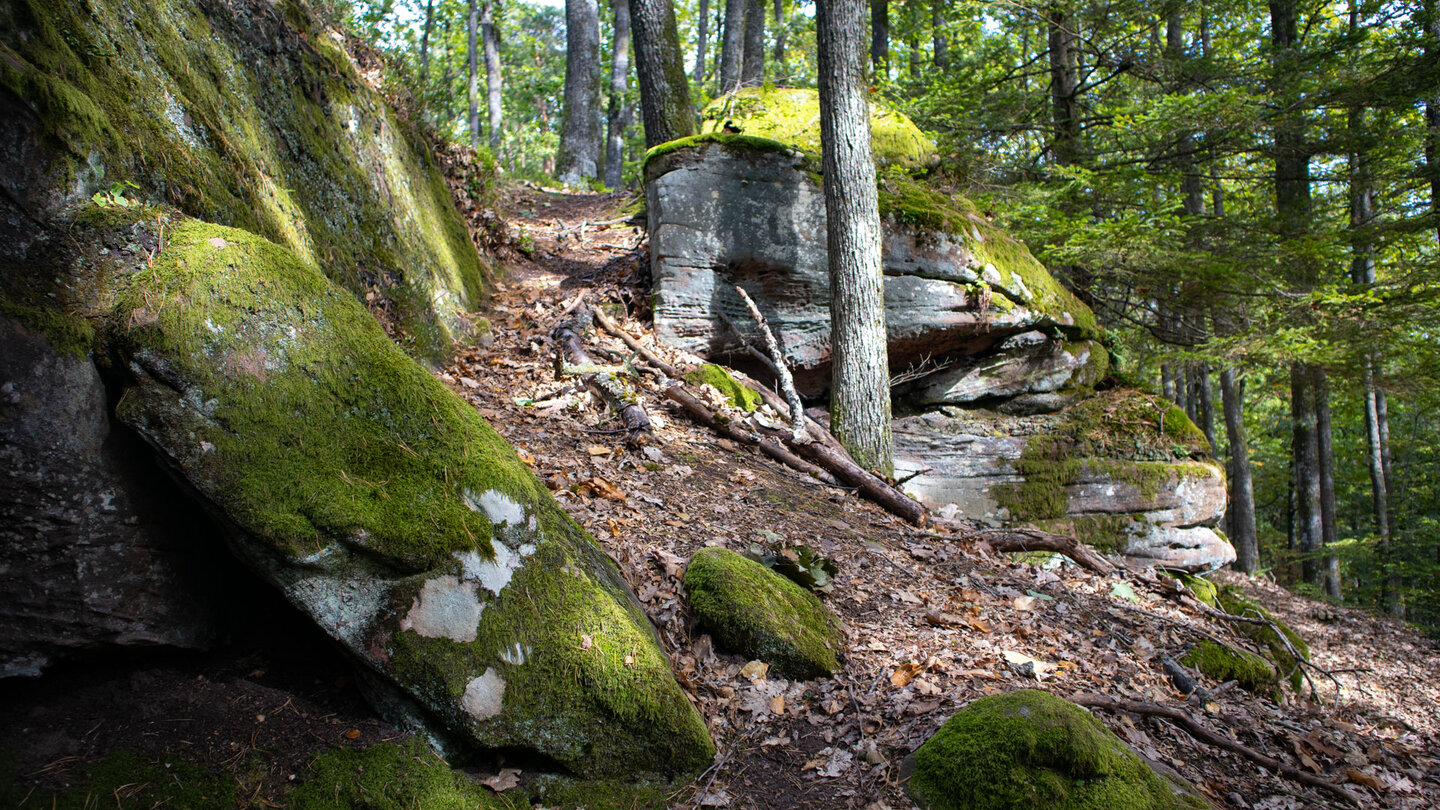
782, 371
571, 358
702, 414
1020, 539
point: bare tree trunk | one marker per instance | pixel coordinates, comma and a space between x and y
1242, 491
752, 69
860, 379
425, 44
1167, 381
1205, 403
1064, 87
1430, 22
702, 41
912, 42
880, 38
578, 159
617, 117
449, 75
1305, 449
1329, 531
732, 45
665, 103
490, 33
473, 21
779, 8
939, 42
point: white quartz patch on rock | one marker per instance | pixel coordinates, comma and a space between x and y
493, 575
484, 696
445, 608
499, 508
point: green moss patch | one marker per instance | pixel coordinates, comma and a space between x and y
387, 776
754, 611
739, 395
1224, 663
66, 333
1231, 601
124, 780
1032, 749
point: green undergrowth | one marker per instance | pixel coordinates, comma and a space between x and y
391, 776
124, 780
1029, 748
1223, 663
604, 794
741, 396
752, 610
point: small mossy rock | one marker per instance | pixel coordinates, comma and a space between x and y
1224, 663
1233, 602
390, 776
1203, 589
384, 507
739, 394
792, 116
1031, 749
760, 614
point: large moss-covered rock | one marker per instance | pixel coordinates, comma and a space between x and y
1232, 601
1032, 749
246, 113
387, 510
756, 612
1222, 663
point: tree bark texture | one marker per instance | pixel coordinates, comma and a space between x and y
860, 376
617, 117
752, 69
1329, 531
1305, 451
1205, 403
425, 43
880, 38
490, 34
1242, 492
1064, 87
1430, 21
702, 41
664, 93
732, 44
779, 8
939, 43
578, 159
473, 23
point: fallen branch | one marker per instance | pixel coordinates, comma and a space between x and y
782, 372
702, 414
1205, 735
818, 432
1010, 540
572, 359
869, 485
635, 346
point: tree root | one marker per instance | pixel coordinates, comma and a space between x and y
1029, 540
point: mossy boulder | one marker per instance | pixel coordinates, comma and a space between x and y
1231, 600
1031, 749
391, 776
737, 393
1222, 663
792, 116
388, 510
758, 613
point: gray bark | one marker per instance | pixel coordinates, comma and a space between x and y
880, 37
702, 41
425, 43
779, 7
473, 93
1430, 21
1064, 87
860, 379
732, 44
1329, 531
1205, 403
1242, 492
617, 118
752, 70
578, 159
938, 41
664, 93
1305, 452
490, 34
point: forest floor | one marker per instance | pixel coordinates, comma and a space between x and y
931, 622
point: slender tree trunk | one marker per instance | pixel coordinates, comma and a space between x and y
752, 69
1205, 404
702, 40
1064, 87
880, 38
473, 21
1167, 381
1329, 532
617, 117
912, 42
1305, 449
1430, 21
732, 45
938, 41
448, 78
665, 103
1390, 583
425, 44
779, 8
578, 160
490, 33
1242, 492
860, 379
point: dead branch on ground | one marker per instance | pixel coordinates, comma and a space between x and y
1020, 539
798, 432
572, 359
698, 410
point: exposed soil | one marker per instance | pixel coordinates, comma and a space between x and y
929, 619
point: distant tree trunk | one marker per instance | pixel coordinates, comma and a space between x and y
664, 94
880, 38
473, 20
938, 41
779, 7
1064, 87
860, 379
1205, 403
425, 44
448, 77
912, 42
617, 117
702, 41
1430, 21
1167, 381
1329, 532
752, 69
1305, 448
1242, 492
578, 160
732, 45
490, 31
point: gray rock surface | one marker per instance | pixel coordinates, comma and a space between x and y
1028, 363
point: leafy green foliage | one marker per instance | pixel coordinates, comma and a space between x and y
800, 564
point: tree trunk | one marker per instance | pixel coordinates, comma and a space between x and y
779, 8
752, 67
702, 41
490, 33
1430, 22
578, 159
732, 45
1064, 87
473, 21
1205, 403
880, 38
1305, 449
939, 42
1242, 492
425, 44
664, 94
912, 42
860, 379
617, 117
1329, 530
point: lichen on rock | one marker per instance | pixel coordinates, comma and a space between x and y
1029, 748
754, 611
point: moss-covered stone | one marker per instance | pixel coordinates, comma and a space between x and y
739, 395
1231, 601
1031, 749
125, 780
564, 793
754, 611
1224, 663
792, 116
390, 776
68, 334
1202, 588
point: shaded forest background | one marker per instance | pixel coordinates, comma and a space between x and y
1247, 193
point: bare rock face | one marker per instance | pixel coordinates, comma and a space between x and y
1026, 364
91, 559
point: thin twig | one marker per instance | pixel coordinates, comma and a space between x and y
782, 371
